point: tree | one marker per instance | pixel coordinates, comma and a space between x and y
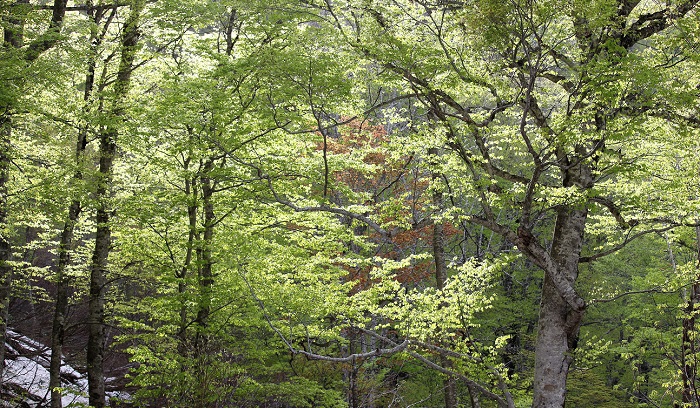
63, 284
18, 56
103, 235
568, 83
209, 126
361, 197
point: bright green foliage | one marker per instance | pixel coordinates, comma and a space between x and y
214, 116
282, 169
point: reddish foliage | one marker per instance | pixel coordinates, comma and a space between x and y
395, 178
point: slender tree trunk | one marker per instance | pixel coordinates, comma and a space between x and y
13, 37
5, 248
206, 281
441, 278
61, 307
98, 271
103, 195
558, 322
192, 238
67, 234
689, 396
474, 397
206, 277
354, 397
688, 350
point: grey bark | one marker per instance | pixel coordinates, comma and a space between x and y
561, 309
103, 234
559, 319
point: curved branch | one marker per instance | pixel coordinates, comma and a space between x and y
624, 243
502, 402
530, 247
324, 208
614, 210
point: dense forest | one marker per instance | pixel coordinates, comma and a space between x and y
352, 203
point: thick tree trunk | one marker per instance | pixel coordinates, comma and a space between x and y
558, 322
103, 194
552, 359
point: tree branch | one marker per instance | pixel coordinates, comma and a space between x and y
502, 402
652, 23
324, 208
624, 243
529, 246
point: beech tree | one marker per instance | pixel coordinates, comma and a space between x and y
101, 18
543, 103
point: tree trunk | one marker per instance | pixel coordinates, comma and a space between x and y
192, 238
206, 281
441, 278
689, 396
206, 277
5, 248
61, 307
103, 195
558, 322
64, 247
12, 37
98, 272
